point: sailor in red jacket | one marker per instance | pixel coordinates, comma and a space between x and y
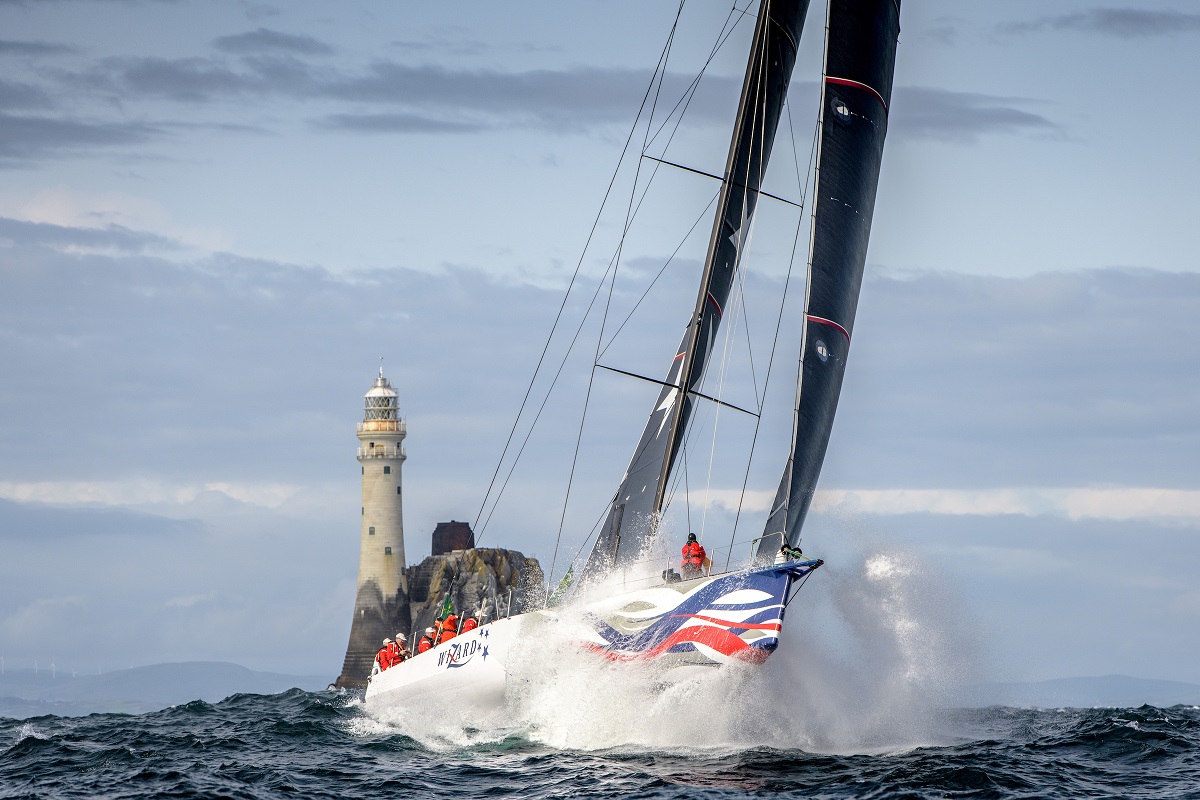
469, 624
426, 640
383, 659
693, 558
448, 628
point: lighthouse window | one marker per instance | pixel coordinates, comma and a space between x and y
387, 470
371, 531
387, 551
397, 490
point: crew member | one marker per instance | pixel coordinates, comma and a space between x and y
448, 628
400, 651
383, 659
693, 558
427, 640
469, 624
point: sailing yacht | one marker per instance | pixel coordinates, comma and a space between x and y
622, 607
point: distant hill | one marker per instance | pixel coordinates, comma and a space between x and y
1107, 691
25, 693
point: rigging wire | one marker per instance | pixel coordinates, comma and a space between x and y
661, 270
579, 264
630, 210
726, 31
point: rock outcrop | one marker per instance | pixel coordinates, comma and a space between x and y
480, 582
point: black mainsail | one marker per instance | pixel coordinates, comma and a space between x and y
860, 56
638, 501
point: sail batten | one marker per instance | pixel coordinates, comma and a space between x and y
856, 94
639, 500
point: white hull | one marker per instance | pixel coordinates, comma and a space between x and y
679, 627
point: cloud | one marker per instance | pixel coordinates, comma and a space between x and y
395, 123
573, 99
1115, 503
567, 99
1094, 372
1125, 23
110, 238
19, 96
186, 80
25, 138
1121, 504
1010, 428
28, 518
25, 48
263, 40
954, 380
141, 492
942, 115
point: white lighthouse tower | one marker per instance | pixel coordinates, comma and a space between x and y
381, 603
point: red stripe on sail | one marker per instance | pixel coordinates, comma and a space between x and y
857, 85
713, 300
830, 323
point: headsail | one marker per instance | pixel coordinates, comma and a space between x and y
639, 499
860, 57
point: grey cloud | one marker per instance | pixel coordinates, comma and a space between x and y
394, 123
21, 96
47, 521
1126, 23
230, 370
198, 80
1094, 372
111, 237
22, 48
943, 34
25, 138
1005, 571
264, 40
185, 80
571, 99
939, 114
948, 371
563, 99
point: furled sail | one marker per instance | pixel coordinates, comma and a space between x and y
860, 57
639, 499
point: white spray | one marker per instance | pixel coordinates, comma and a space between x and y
866, 660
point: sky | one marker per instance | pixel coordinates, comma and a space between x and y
215, 219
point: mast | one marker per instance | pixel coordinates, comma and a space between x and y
638, 502
860, 57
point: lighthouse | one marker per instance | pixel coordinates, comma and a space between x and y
381, 603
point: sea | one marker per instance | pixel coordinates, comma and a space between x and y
862, 699
324, 744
